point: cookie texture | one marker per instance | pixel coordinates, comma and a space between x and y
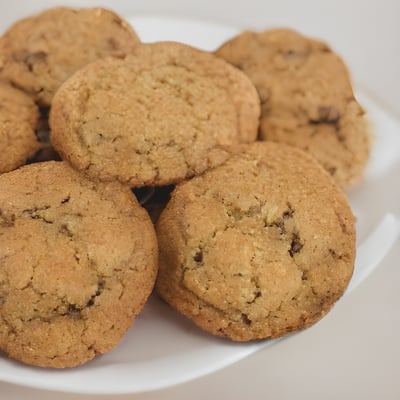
227, 77
258, 247
40, 52
77, 262
151, 119
18, 118
306, 96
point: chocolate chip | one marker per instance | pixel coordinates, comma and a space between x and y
304, 275
90, 302
288, 214
198, 257
66, 200
331, 170
246, 319
74, 311
295, 246
327, 115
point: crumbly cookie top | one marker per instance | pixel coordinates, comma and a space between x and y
227, 77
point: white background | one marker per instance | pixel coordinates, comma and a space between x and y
354, 352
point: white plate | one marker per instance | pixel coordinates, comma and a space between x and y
164, 349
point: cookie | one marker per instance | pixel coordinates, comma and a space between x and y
18, 118
40, 52
307, 99
78, 260
258, 247
154, 118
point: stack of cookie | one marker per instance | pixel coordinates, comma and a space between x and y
255, 238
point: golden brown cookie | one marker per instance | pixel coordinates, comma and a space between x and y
18, 118
38, 53
151, 119
306, 98
77, 263
258, 247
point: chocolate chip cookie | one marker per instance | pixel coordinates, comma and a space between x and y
78, 260
40, 52
258, 247
306, 98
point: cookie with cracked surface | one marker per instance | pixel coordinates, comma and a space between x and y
40, 52
307, 99
18, 119
78, 261
258, 247
152, 119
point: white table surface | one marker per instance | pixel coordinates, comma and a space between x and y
354, 352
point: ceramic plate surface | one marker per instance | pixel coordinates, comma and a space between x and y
164, 349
